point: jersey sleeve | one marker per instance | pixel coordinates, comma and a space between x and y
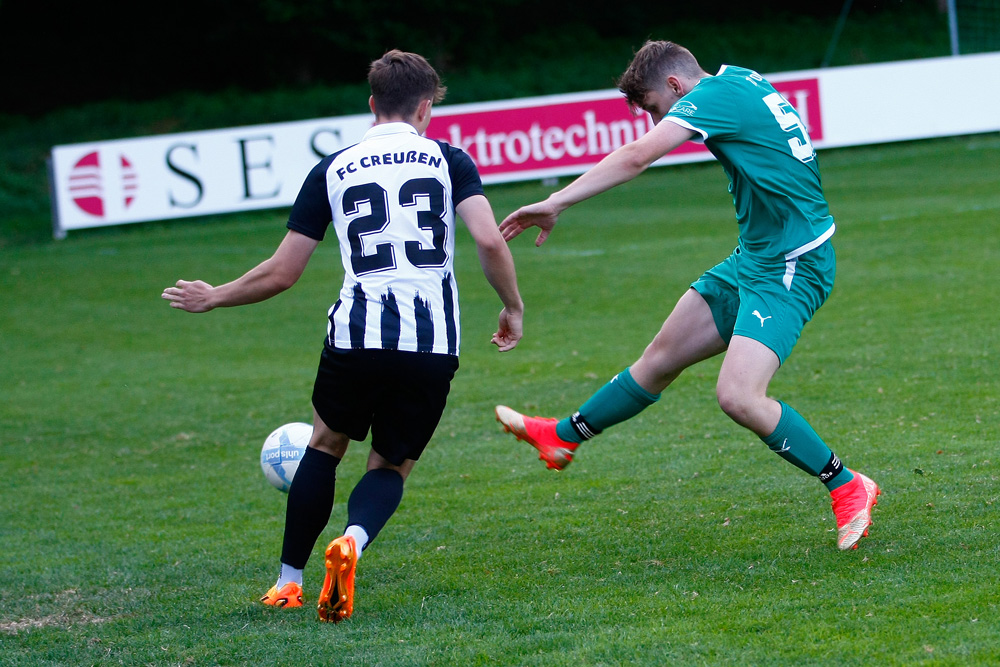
311, 213
465, 179
707, 110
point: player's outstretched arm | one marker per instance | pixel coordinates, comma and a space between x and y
618, 167
498, 266
270, 277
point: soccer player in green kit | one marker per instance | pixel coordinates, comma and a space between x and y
753, 305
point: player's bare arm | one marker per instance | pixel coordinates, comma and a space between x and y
498, 267
619, 167
272, 276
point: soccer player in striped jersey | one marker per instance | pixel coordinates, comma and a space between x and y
753, 305
393, 335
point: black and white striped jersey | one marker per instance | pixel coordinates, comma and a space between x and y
391, 199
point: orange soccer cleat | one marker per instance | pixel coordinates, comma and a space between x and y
852, 505
540, 433
336, 599
286, 597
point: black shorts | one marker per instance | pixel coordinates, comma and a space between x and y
400, 396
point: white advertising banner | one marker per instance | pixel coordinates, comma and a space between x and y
199, 173
263, 166
913, 99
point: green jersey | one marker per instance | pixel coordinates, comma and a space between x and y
765, 150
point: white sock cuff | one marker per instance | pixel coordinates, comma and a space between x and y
360, 537
289, 573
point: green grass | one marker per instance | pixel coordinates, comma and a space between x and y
138, 529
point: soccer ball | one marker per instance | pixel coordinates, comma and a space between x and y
281, 453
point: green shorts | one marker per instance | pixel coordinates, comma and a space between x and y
768, 302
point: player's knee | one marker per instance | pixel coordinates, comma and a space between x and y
658, 366
334, 444
735, 401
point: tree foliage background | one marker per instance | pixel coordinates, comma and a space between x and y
60, 54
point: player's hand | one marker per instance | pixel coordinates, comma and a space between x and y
194, 297
543, 215
509, 331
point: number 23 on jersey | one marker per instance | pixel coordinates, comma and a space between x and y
382, 256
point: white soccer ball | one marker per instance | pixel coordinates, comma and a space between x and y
281, 453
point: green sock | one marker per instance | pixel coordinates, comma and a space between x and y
795, 441
620, 399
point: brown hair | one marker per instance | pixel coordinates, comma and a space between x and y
400, 81
650, 67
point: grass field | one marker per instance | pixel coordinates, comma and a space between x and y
137, 527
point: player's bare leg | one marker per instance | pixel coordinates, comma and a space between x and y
742, 392
377, 461
688, 335
327, 440
744, 377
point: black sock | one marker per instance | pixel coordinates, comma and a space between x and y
374, 500
310, 502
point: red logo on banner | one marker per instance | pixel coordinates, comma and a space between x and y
86, 183
803, 94
541, 137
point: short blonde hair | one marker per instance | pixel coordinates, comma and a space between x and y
651, 65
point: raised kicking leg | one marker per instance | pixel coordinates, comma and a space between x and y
688, 335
